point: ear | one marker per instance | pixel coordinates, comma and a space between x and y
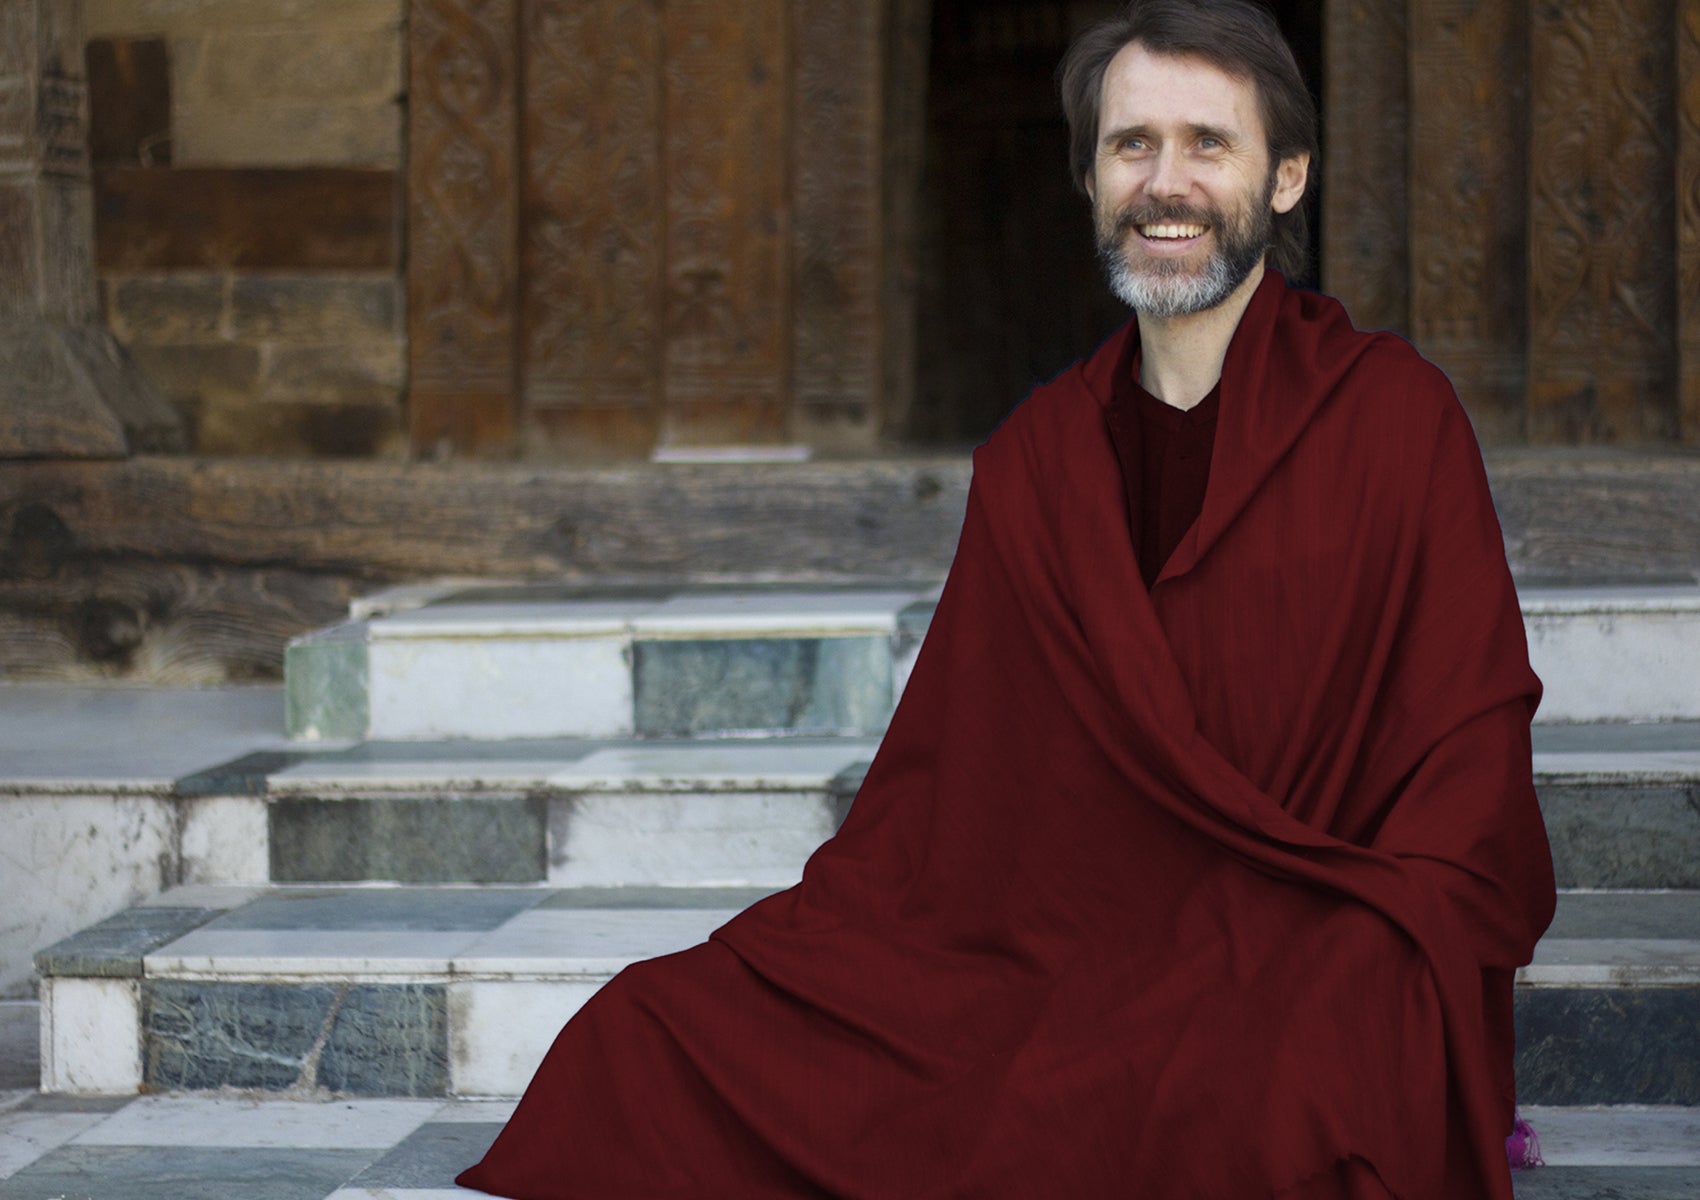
1290, 178
1091, 184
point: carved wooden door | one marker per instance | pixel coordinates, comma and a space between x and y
638, 223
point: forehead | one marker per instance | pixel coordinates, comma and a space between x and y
1142, 89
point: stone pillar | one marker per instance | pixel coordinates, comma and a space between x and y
67, 390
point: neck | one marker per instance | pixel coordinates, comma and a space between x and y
1180, 358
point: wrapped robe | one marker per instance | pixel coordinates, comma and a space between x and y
1202, 890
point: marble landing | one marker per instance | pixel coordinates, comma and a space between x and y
239, 1148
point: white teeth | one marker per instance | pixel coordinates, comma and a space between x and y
1172, 231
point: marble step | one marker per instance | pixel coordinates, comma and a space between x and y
457, 991
1622, 804
495, 663
492, 662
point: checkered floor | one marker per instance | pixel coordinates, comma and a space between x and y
203, 1148
230, 1148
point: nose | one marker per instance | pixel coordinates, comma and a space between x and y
1168, 179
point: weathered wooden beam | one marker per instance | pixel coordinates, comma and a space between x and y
1602, 223
1467, 166
1365, 238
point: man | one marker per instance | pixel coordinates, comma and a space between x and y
1202, 847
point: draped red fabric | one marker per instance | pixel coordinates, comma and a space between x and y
1201, 891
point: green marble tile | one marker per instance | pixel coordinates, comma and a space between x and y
1627, 836
790, 685
326, 694
656, 897
1608, 1045
358, 1039
378, 909
406, 839
114, 948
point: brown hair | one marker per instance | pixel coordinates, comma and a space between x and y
1234, 36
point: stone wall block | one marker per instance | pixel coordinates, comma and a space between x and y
260, 135
188, 374
287, 67
187, 307
306, 308
363, 372
129, 18
294, 429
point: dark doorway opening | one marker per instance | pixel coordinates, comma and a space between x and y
1009, 291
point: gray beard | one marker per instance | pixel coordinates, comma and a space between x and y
1165, 293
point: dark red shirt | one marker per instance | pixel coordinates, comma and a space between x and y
1165, 459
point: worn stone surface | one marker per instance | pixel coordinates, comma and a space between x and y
114, 948
1607, 1183
286, 67
347, 373
371, 1040
182, 307
314, 308
1608, 1045
256, 135
472, 839
296, 429
184, 1172
128, 18
816, 685
1624, 836
197, 372
430, 1155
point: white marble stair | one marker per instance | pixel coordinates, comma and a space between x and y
494, 662
497, 663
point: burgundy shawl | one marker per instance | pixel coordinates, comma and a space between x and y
1200, 890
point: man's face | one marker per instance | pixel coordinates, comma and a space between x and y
1183, 190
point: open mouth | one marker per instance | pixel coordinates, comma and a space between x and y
1171, 232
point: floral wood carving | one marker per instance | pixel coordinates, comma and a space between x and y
727, 272
462, 202
1468, 171
593, 228
1688, 218
835, 157
1365, 252
1602, 222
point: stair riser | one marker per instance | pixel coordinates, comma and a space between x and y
469, 1037
673, 839
1632, 835
1617, 666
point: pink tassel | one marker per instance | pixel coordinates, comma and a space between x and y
1523, 1147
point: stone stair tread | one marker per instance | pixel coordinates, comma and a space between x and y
1614, 938
583, 765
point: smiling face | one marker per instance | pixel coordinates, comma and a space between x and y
1183, 190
